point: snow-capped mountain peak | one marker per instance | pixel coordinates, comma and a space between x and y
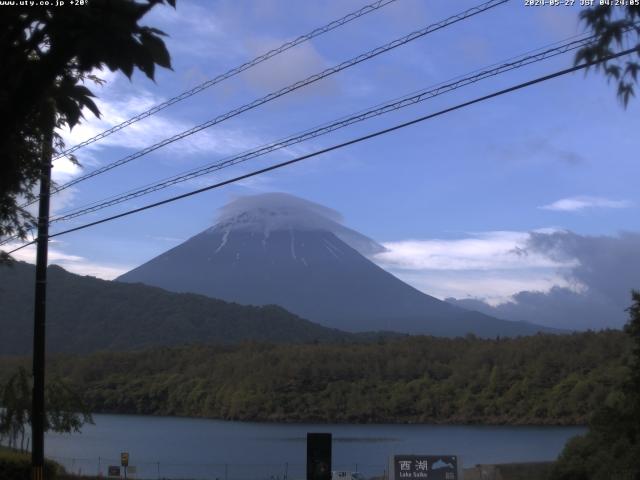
279, 249
266, 213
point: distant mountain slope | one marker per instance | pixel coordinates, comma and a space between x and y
86, 314
278, 249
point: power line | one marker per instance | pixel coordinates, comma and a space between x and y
380, 109
230, 73
398, 42
342, 145
521, 60
177, 178
295, 86
532, 56
562, 44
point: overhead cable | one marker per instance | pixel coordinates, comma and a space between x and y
283, 91
230, 73
382, 109
459, 106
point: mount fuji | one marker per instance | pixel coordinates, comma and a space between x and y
279, 249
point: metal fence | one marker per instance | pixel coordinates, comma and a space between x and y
151, 470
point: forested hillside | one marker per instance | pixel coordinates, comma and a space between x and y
543, 379
85, 314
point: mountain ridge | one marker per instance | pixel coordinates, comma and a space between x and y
87, 314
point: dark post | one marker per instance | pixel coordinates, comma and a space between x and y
38, 407
318, 456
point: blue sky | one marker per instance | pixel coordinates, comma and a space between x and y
451, 198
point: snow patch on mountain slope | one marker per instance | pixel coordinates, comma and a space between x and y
225, 237
293, 244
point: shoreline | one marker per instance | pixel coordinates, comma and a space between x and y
321, 422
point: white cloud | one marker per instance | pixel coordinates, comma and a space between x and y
489, 265
494, 287
120, 100
118, 103
287, 68
572, 204
482, 251
63, 169
59, 202
191, 18
73, 263
607, 268
197, 32
148, 132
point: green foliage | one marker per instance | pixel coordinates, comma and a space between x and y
632, 328
15, 398
46, 55
611, 448
66, 411
17, 466
543, 379
616, 29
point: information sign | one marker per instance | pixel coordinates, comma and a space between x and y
424, 467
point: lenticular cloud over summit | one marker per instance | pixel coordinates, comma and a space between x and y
277, 211
270, 212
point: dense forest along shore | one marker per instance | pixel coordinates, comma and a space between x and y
537, 380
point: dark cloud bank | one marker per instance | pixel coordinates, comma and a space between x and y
607, 269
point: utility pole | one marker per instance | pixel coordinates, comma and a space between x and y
39, 319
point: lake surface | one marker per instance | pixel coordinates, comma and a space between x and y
168, 447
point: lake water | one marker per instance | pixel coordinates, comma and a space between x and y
168, 447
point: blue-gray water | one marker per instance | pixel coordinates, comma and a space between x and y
167, 447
